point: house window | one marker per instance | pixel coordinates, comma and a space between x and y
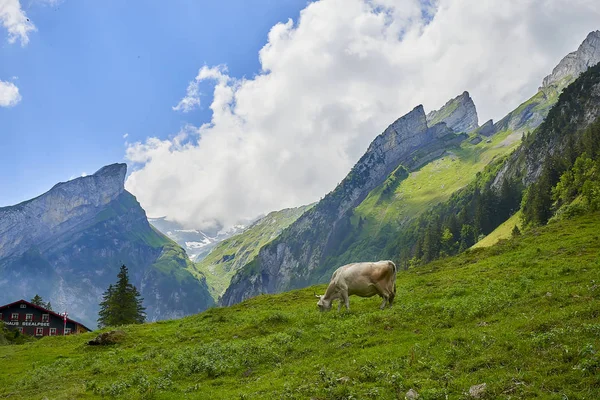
67, 331
45, 317
14, 316
23, 305
28, 317
52, 331
39, 331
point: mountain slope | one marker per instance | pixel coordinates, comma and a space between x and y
294, 258
370, 230
232, 254
68, 244
521, 317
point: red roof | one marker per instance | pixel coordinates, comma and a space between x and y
43, 309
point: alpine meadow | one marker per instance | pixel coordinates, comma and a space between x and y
209, 263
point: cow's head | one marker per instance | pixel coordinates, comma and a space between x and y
323, 304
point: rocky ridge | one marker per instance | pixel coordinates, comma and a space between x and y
459, 114
576, 62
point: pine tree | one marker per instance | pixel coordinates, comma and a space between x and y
38, 301
49, 306
121, 303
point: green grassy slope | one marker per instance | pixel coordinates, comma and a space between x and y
381, 217
436, 181
504, 231
521, 317
232, 254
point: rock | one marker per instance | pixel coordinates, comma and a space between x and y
577, 62
477, 391
475, 140
56, 212
108, 338
411, 395
459, 114
487, 129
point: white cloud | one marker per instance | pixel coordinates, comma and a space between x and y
332, 82
192, 96
15, 21
125, 135
9, 94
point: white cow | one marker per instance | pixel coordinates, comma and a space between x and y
363, 279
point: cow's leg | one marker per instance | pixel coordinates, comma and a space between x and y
385, 300
383, 294
345, 300
391, 299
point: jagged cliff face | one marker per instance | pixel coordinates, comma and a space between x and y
459, 114
297, 257
66, 205
68, 244
577, 62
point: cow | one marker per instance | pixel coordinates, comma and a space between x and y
363, 279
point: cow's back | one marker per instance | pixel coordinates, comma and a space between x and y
372, 272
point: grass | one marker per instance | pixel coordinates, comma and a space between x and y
503, 231
521, 316
232, 254
433, 183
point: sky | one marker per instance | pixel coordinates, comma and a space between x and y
225, 110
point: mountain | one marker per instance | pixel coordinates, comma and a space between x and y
68, 245
521, 317
196, 242
407, 170
577, 62
232, 254
458, 114
295, 258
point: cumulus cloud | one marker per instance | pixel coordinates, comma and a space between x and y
9, 94
15, 21
192, 96
331, 82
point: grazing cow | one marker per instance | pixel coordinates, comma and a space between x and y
363, 279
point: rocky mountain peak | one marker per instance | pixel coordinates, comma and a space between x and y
459, 114
576, 62
61, 208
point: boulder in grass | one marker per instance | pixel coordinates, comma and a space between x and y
107, 338
477, 391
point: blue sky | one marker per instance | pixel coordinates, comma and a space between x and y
287, 108
95, 70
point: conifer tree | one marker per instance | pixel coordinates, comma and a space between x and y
121, 303
37, 300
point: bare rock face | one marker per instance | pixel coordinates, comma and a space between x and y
61, 208
487, 129
577, 62
459, 114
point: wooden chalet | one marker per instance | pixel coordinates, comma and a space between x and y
33, 320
